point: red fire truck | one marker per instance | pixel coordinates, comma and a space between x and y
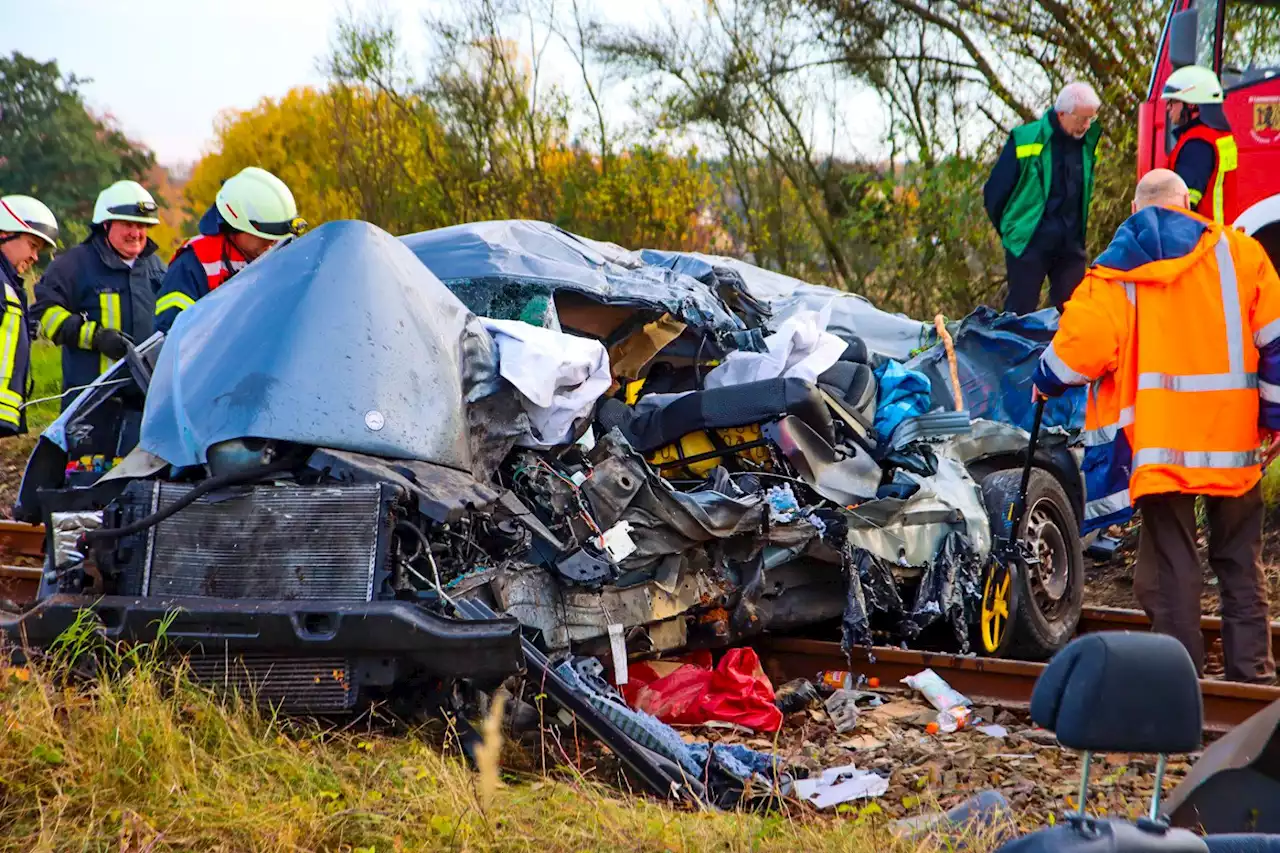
1240, 41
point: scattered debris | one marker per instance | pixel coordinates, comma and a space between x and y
797, 695
840, 785
953, 707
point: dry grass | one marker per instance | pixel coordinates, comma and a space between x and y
144, 761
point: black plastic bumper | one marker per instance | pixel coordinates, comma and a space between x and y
399, 631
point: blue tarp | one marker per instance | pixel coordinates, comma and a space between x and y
996, 355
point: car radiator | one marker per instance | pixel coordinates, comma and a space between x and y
321, 544
280, 542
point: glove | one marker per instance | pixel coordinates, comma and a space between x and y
111, 343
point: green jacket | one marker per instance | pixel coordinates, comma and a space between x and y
1025, 204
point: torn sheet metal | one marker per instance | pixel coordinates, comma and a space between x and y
568, 615
512, 269
443, 494
340, 339
893, 335
996, 355
560, 377
914, 528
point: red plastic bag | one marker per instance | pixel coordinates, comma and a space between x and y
736, 691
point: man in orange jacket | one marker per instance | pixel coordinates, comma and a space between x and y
1177, 328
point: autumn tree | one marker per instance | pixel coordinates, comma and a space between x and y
51, 147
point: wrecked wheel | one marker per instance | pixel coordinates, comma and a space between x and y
1045, 596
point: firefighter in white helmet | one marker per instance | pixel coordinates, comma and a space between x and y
101, 294
253, 210
1201, 147
26, 228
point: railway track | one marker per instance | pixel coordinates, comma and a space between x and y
1007, 683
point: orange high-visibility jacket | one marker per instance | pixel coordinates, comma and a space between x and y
1177, 328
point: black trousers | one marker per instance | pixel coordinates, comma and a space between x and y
1063, 265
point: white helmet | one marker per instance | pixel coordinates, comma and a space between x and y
257, 202
127, 201
1193, 84
22, 214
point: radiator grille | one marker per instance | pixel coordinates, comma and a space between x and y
274, 542
294, 685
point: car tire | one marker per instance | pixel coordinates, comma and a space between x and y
1049, 597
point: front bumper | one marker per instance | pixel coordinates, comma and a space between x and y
406, 637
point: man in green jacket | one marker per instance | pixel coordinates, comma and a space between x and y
1038, 199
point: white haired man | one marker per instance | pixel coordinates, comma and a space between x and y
1038, 199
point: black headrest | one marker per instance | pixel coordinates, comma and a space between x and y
1121, 692
855, 349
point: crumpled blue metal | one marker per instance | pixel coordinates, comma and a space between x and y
341, 339
996, 355
510, 269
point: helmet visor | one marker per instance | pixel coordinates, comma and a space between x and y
140, 208
293, 226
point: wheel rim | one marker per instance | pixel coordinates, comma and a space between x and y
995, 608
1050, 578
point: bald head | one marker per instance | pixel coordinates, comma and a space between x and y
1161, 188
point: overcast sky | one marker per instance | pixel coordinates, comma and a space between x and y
166, 68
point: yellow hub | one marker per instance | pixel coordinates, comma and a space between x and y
995, 608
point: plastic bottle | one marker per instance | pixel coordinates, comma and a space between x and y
836, 679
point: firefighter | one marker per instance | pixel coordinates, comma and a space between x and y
1177, 327
1203, 149
1038, 198
253, 210
26, 227
100, 295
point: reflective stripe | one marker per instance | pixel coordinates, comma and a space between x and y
1268, 392
1197, 382
179, 301
1060, 369
1195, 195
10, 331
1267, 334
110, 304
213, 268
87, 330
1108, 505
1228, 159
53, 320
1131, 292
1195, 458
1230, 306
13, 398
1107, 434
10, 414
1031, 149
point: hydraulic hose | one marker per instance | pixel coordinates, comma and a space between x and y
233, 478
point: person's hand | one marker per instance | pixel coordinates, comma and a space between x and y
1036, 394
111, 343
1270, 447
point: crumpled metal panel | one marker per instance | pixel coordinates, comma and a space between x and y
509, 269
340, 339
774, 297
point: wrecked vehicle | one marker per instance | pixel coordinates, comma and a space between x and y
335, 482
